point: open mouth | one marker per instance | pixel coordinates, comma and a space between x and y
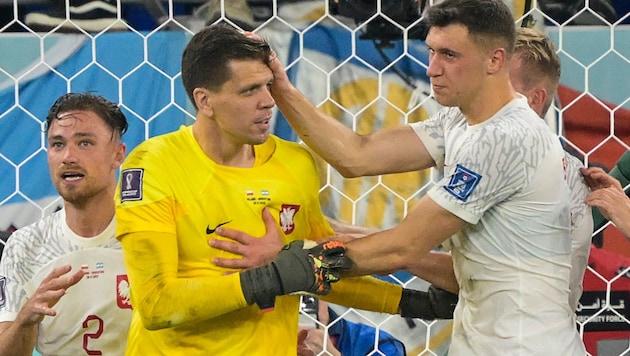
71, 176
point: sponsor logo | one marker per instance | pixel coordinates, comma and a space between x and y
210, 231
462, 183
131, 184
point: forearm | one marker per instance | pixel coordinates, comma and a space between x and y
425, 227
328, 137
437, 269
356, 231
17, 339
367, 293
162, 298
376, 254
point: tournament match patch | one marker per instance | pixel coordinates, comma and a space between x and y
131, 184
463, 182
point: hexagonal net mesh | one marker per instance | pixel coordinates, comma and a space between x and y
362, 62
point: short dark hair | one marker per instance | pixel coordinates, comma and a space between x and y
489, 22
206, 58
105, 109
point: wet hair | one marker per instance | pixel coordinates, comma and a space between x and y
489, 22
540, 61
206, 58
103, 108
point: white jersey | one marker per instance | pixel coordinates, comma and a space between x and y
93, 317
581, 228
506, 177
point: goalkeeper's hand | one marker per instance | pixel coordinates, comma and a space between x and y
298, 267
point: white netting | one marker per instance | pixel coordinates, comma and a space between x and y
364, 74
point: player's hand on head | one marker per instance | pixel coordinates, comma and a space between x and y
279, 73
253, 251
51, 289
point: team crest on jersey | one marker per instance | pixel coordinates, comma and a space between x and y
123, 292
463, 183
3, 293
287, 217
131, 184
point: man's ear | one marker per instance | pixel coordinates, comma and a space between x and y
498, 60
537, 98
119, 157
202, 101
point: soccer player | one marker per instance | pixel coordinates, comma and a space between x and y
63, 281
535, 73
503, 204
226, 170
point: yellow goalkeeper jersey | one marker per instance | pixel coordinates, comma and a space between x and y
183, 304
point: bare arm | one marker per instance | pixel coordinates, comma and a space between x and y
341, 228
390, 150
256, 252
19, 337
404, 246
435, 268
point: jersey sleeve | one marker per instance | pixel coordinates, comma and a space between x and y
487, 170
12, 281
143, 198
431, 133
146, 218
367, 293
158, 293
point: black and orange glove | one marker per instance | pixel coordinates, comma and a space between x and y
297, 268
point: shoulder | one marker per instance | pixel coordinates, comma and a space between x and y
158, 147
290, 148
33, 237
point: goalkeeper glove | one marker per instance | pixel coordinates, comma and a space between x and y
296, 268
433, 304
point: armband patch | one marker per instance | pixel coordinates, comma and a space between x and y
463, 183
131, 184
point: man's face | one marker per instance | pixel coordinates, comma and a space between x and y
456, 65
83, 157
243, 106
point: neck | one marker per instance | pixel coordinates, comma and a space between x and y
219, 148
92, 218
493, 97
